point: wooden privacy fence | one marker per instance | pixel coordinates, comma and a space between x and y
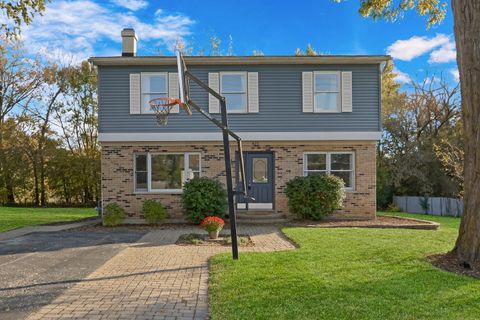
437, 206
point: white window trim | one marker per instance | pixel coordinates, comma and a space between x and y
186, 164
245, 75
328, 165
146, 74
339, 98
135, 171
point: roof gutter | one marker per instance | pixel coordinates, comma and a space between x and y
240, 60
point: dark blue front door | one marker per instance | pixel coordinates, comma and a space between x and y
259, 175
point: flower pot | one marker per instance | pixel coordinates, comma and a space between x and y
214, 234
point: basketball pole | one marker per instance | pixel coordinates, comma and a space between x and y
227, 133
228, 174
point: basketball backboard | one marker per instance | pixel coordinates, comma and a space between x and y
183, 85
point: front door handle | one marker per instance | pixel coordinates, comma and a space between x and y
249, 186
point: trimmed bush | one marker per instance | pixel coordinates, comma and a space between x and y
315, 196
393, 208
113, 215
203, 197
153, 211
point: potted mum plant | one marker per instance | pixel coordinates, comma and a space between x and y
212, 225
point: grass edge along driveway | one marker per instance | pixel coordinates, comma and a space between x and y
346, 274
15, 217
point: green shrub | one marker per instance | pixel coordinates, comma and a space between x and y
393, 208
203, 197
113, 215
315, 196
153, 211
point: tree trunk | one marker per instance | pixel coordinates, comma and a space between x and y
467, 36
43, 198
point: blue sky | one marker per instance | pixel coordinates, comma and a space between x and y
75, 30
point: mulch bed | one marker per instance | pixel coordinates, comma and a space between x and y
450, 262
196, 239
379, 222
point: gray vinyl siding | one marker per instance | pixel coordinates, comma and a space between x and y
280, 101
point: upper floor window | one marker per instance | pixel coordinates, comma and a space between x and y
154, 85
326, 91
165, 172
340, 164
233, 86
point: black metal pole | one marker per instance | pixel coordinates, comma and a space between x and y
228, 174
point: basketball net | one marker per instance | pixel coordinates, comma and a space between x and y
162, 108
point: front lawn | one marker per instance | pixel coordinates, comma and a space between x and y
14, 217
346, 274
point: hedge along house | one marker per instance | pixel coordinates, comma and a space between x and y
297, 115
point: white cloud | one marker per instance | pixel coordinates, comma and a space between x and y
416, 46
444, 54
455, 74
133, 5
74, 29
401, 77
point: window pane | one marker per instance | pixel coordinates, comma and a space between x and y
311, 173
194, 162
341, 161
326, 101
326, 82
233, 83
141, 162
141, 181
316, 162
145, 101
346, 176
260, 167
155, 84
236, 102
167, 171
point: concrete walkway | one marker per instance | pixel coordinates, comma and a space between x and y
47, 228
153, 279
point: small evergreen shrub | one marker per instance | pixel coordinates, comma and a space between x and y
153, 211
203, 197
315, 196
393, 208
113, 215
424, 203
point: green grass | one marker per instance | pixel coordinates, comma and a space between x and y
346, 274
13, 217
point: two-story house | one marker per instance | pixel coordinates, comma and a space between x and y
297, 115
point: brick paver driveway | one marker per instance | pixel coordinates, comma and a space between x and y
152, 279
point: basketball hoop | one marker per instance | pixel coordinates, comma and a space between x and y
162, 108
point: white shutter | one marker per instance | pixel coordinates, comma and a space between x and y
213, 83
135, 93
253, 92
307, 91
173, 91
347, 91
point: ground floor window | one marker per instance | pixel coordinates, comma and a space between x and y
165, 172
341, 164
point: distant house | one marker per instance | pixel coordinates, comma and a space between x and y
297, 115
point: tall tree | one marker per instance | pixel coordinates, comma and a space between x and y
20, 80
18, 13
466, 17
78, 120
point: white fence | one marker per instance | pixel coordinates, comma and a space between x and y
437, 206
